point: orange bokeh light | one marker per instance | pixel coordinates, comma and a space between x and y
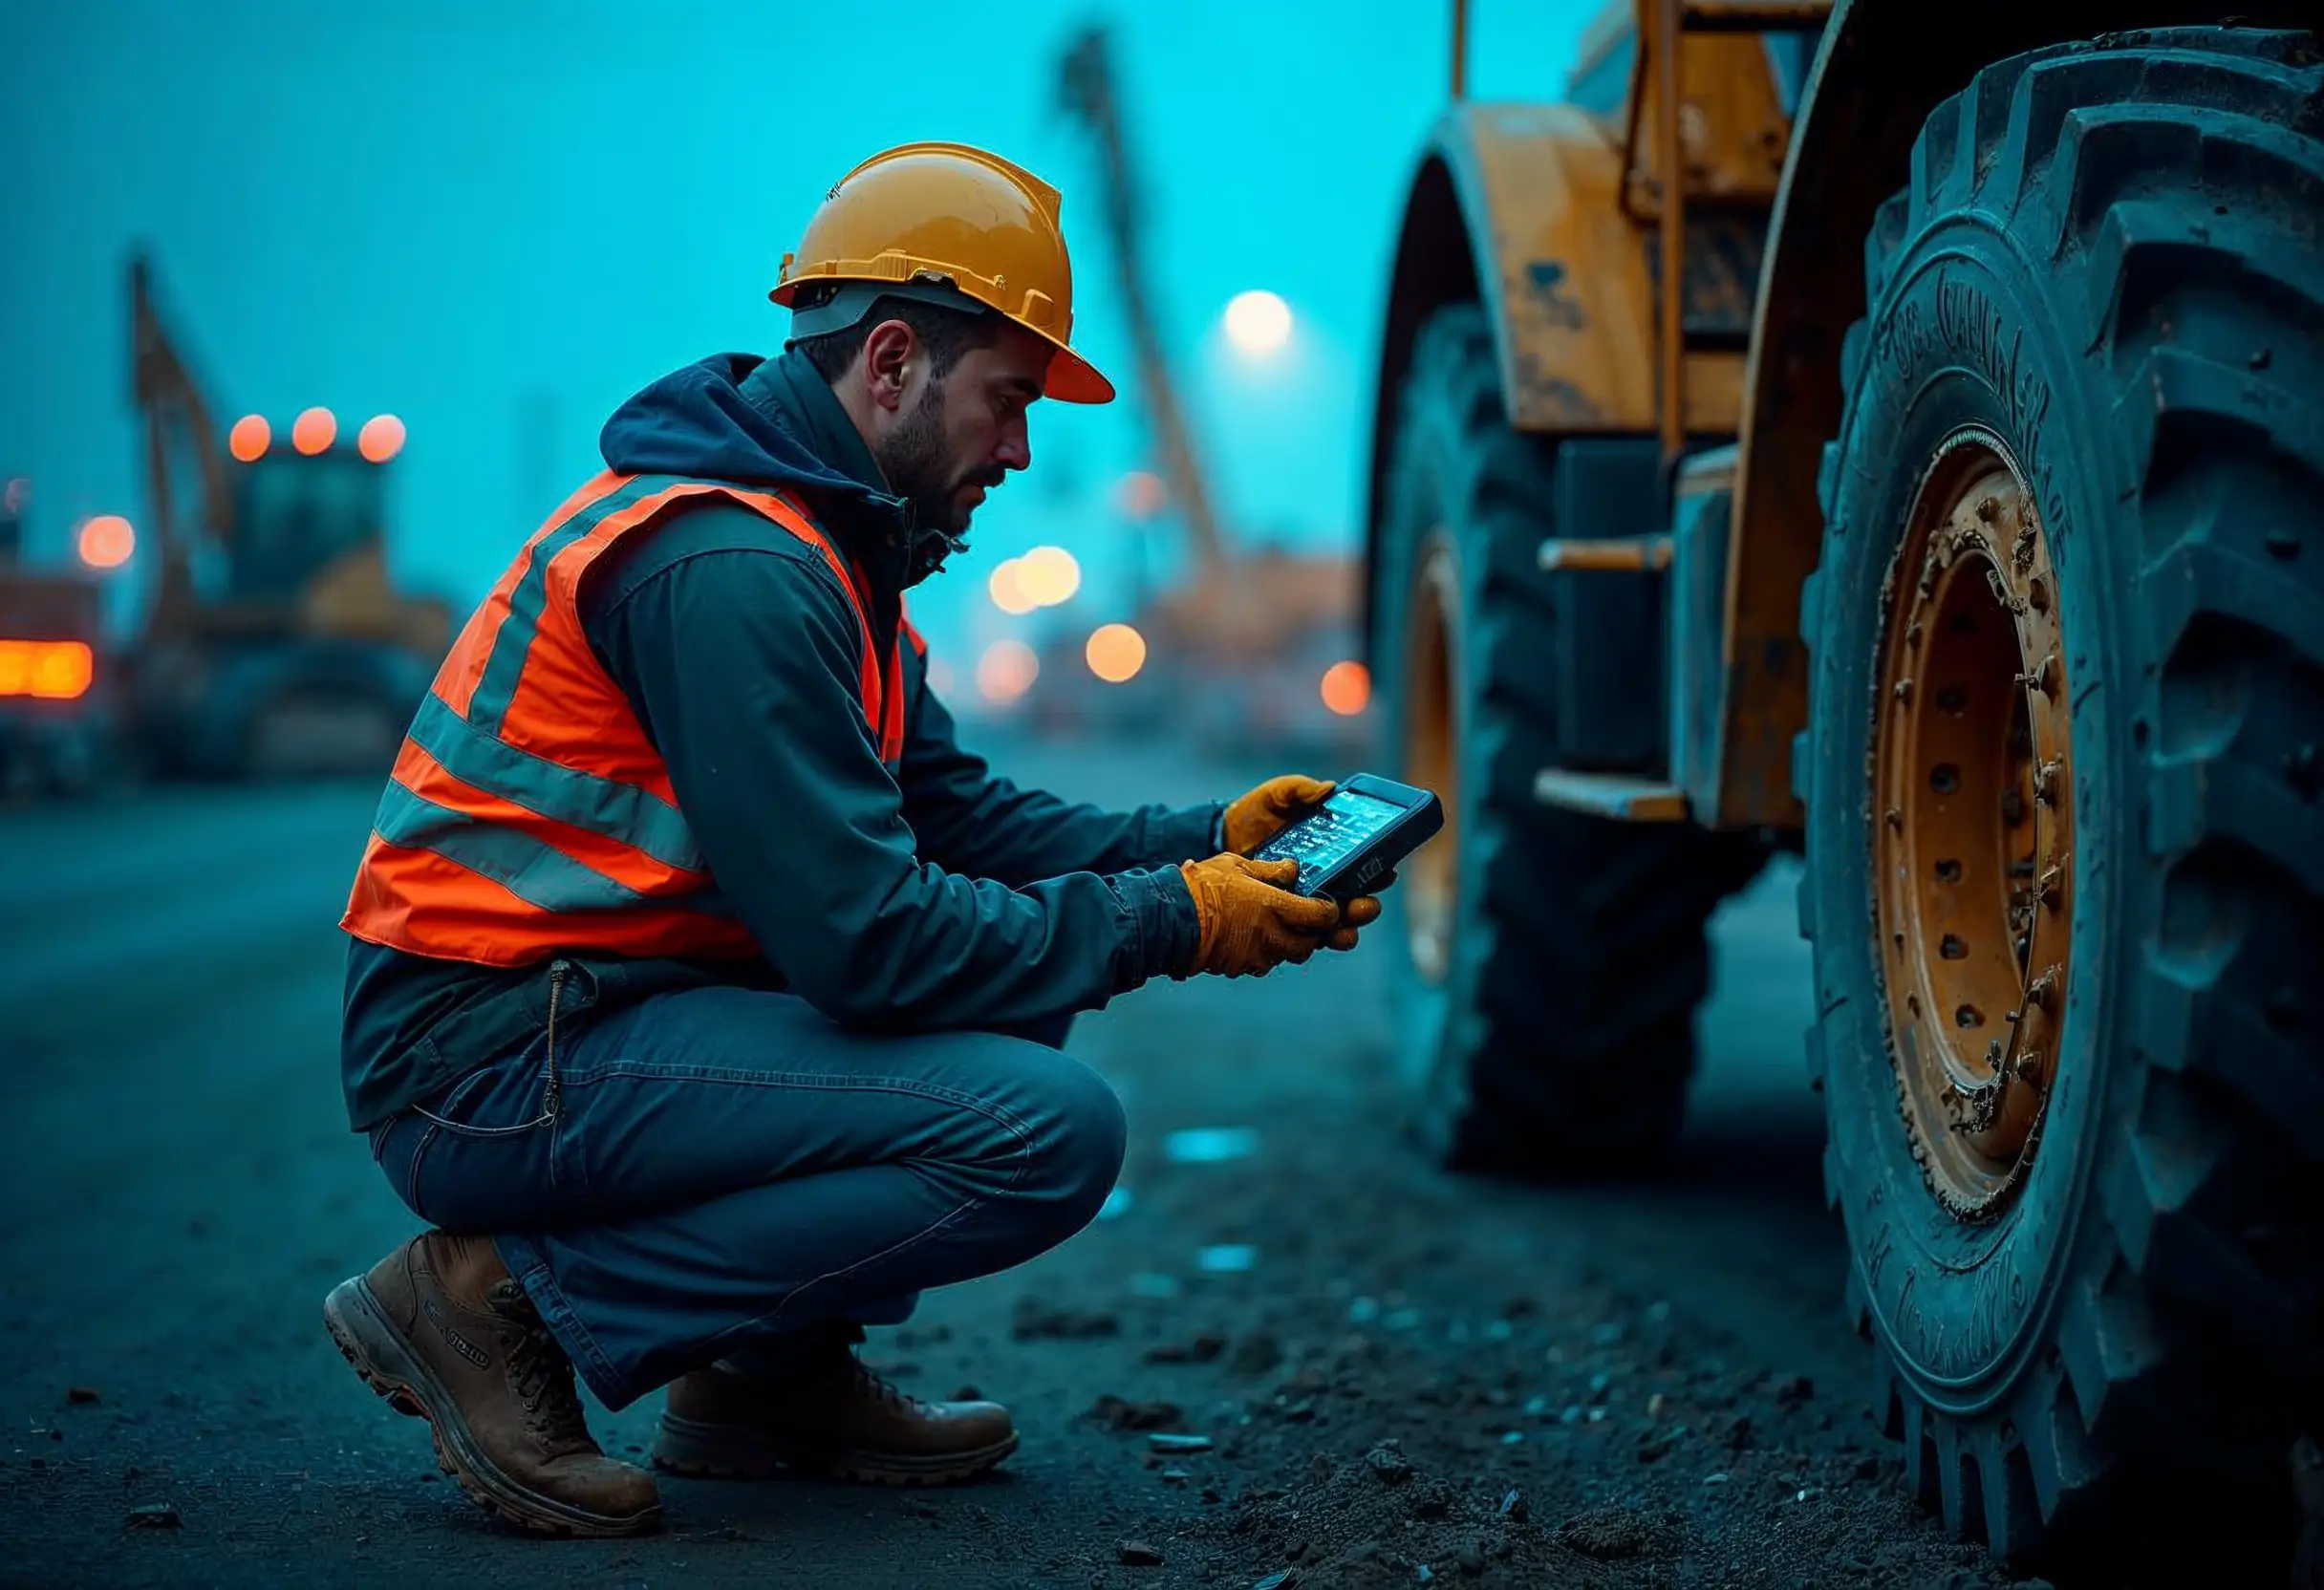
1347, 687
1142, 494
1006, 670
51, 670
107, 540
1115, 652
381, 438
313, 430
251, 438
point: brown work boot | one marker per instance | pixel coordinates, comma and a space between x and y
441, 1330
830, 1415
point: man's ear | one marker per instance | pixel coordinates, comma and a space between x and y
888, 356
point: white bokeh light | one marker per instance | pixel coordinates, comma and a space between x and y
1257, 322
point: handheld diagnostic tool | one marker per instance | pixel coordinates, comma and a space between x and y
1364, 827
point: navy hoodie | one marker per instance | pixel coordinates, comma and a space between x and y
937, 896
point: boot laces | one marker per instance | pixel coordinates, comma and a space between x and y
542, 1377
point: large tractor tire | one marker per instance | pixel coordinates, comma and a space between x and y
2065, 874
1548, 965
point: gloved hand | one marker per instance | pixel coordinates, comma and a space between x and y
1255, 817
1252, 922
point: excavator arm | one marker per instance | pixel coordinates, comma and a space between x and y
179, 437
1087, 89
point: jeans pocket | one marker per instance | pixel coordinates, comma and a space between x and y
485, 1163
507, 1100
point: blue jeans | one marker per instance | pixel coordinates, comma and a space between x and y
725, 1165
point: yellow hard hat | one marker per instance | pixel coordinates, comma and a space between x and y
940, 222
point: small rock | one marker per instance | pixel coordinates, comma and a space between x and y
1498, 1330
1656, 1444
1147, 1283
1470, 1558
1175, 1477
1655, 1404
1388, 1464
1794, 1391
1868, 1469
1138, 1553
1432, 1503
81, 1394
1738, 1434
1715, 1479
1035, 1321
968, 1394
1118, 1413
1227, 1258
154, 1516
1607, 1533
1403, 1318
1256, 1354
1608, 1334
1179, 1443
1202, 1349
1281, 1580
1513, 1506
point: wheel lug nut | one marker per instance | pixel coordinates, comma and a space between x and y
2042, 989
2045, 781
2052, 885
1904, 692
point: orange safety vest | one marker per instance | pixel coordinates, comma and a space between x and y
527, 814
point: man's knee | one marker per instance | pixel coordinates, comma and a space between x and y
1077, 1142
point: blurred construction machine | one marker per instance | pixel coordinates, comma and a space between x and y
1898, 438
276, 644
55, 697
1241, 647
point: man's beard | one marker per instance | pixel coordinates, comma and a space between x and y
913, 459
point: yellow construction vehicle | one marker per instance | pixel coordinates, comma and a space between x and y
278, 645
1896, 435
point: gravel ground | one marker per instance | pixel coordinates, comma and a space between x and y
1291, 1354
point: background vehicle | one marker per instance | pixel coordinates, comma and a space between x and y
1898, 439
276, 644
54, 686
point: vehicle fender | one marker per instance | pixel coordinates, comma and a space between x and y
1518, 207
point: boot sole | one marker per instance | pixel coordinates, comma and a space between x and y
720, 1451
376, 1350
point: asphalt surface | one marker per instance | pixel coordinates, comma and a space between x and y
1395, 1376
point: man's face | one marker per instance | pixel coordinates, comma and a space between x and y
959, 438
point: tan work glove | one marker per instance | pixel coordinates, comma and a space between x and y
1252, 922
1253, 819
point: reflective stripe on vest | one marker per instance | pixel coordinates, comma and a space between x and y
529, 813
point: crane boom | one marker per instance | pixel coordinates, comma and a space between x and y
177, 419
1087, 89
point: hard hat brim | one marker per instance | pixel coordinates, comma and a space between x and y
1071, 377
